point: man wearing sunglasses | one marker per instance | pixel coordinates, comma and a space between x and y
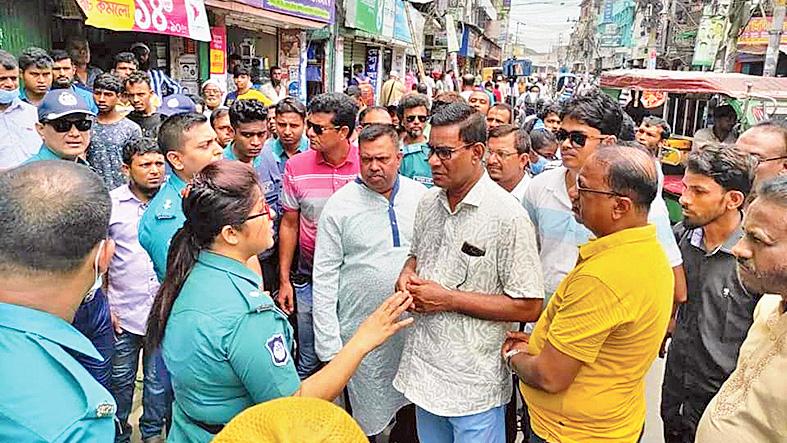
767, 142
583, 368
588, 122
64, 126
472, 271
310, 178
414, 113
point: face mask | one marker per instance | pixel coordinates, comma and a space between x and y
6, 97
538, 167
99, 281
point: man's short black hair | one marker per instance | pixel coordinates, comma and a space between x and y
59, 55
353, 91
290, 105
542, 138
652, 120
506, 107
521, 142
410, 101
340, 105
247, 111
728, 166
58, 212
553, 108
596, 110
241, 70
108, 82
468, 80
34, 57
138, 77
125, 57
472, 124
273, 68
139, 146
218, 113
724, 111
7, 61
628, 128
362, 115
170, 134
374, 131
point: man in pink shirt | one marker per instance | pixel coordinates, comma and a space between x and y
310, 178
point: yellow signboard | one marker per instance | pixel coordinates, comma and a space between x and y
117, 15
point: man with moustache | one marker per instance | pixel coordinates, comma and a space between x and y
133, 286
767, 143
751, 406
110, 133
362, 240
85, 74
274, 90
20, 140
479, 100
508, 159
139, 91
414, 113
712, 324
310, 178
63, 71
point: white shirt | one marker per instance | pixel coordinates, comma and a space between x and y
362, 243
519, 189
451, 363
19, 140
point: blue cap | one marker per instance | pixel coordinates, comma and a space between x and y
61, 102
176, 104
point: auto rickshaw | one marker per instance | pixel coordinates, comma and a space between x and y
685, 99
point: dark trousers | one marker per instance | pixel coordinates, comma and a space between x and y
92, 319
154, 394
681, 408
270, 272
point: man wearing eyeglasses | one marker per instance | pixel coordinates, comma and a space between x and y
582, 371
767, 142
414, 113
473, 272
509, 158
64, 122
310, 178
589, 121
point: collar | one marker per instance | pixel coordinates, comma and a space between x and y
394, 190
15, 103
229, 154
620, 238
52, 328
697, 236
473, 198
176, 182
278, 149
125, 194
47, 154
352, 156
222, 263
519, 189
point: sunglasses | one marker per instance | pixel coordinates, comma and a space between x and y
445, 154
578, 139
320, 129
421, 118
64, 125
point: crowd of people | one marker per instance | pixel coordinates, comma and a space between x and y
445, 270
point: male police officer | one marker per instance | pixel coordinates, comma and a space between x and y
59, 214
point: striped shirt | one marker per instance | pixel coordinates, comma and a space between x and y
308, 183
163, 85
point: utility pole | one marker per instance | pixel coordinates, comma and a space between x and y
774, 39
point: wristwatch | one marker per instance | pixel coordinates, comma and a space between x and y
509, 355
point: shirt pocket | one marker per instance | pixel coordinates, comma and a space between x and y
738, 314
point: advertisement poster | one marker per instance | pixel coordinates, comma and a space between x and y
218, 55
709, 36
180, 18
292, 60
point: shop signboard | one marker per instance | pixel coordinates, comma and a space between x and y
181, 18
754, 38
364, 15
217, 55
389, 15
401, 28
317, 10
372, 66
709, 36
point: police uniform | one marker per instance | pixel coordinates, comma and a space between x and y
47, 154
161, 220
415, 163
46, 394
227, 347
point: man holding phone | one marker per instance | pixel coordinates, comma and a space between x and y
473, 272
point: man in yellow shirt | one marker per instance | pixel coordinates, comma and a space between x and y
242, 78
582, 371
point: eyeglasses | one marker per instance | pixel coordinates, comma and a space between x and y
445, 154
266, 211
501, 154
421, 118
578, 139
580, 188
64, 125
763, 160
320, 129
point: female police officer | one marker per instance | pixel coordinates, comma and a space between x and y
224, 342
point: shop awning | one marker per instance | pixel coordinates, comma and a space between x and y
185, 18
245, 15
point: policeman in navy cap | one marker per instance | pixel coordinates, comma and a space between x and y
58, 213
64, 122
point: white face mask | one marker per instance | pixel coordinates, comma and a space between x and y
99, 281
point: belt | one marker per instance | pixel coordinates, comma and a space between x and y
300, 279
212, 429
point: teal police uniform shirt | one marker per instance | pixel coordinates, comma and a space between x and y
47, 154
415, 163
47, 396
227, 347
161, 220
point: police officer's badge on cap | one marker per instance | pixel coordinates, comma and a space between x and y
58, 103
176, 104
